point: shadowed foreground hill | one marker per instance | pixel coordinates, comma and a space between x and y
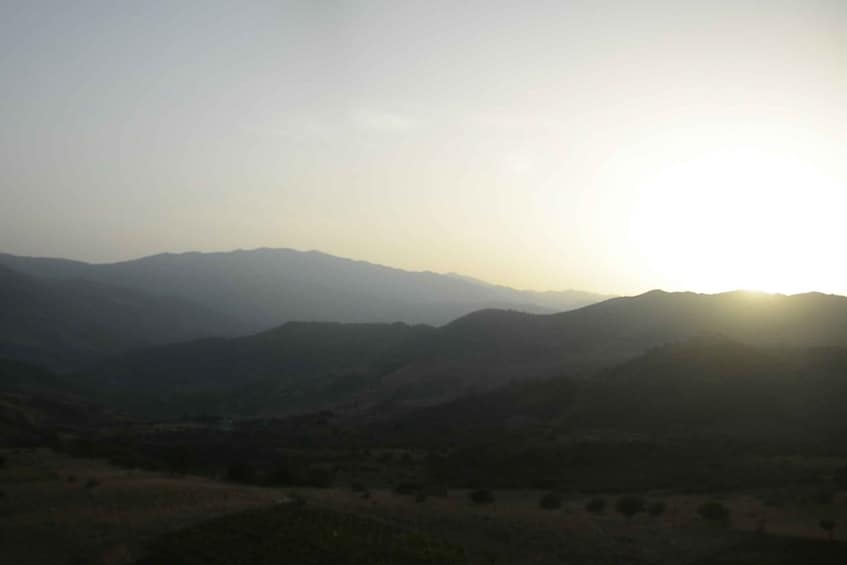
66, 323
305, 366
36, 404
300, 365
704, 387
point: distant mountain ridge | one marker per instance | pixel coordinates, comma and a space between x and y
263, 288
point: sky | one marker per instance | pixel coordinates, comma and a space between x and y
606, 146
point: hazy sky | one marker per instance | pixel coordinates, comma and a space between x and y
610, 146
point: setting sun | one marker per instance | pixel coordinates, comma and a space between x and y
759, 212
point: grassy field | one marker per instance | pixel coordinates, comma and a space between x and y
56, 509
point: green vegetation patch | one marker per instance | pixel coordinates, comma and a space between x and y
302, 536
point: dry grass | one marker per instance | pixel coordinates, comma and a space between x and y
55, 509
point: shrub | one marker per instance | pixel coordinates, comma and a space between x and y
629, 506
823, 497
280, 477
320, 477
296, 500
241, 472
481, 496
91, 483
406, 489
828, 526
551, 501
656, 508
713, 512
358, 487
841, 478
435, 490
596, 505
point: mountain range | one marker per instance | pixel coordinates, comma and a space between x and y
263, 288
300, 366
176, 335
65, 314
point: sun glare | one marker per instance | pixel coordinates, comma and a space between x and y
751, 216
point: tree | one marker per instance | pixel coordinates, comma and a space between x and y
596, 505
406, 489
281, 475
320, 477
841, 477
823, 496
713, 512
241, 472
629, 506
656, 508
551, 501
481, 496
828, 526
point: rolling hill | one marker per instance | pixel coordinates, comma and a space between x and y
301, 366
701, 387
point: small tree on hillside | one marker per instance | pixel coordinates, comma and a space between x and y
241, 473
656, 508
551, 501
840, 478
828, 526
481, 496
596, 505
713, 512
629, 506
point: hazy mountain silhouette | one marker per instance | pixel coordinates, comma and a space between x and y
64, 323
266, 287
299, 366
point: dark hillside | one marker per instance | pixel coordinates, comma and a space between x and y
305, 366
67, 323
